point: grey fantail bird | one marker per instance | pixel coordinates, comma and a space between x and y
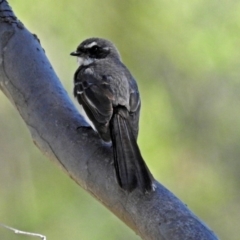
109, 95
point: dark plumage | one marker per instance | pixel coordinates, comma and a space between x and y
109, 95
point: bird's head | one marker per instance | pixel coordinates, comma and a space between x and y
93, 49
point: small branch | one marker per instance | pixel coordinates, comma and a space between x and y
16, 231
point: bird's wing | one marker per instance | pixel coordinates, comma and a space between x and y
134, 101
135, 105
96, 98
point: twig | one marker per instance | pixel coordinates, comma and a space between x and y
16, 231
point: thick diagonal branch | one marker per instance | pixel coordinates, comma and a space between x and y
30, 83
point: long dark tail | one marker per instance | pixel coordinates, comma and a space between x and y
131, 170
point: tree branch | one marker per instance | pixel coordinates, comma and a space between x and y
16, 231
60, 132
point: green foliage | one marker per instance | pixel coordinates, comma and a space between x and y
185, 57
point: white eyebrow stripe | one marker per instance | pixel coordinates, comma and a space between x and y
90, 45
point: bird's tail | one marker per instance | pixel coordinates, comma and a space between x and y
131, 170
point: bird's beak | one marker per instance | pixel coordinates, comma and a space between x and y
75, 54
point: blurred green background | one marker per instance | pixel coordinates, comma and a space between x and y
186, 58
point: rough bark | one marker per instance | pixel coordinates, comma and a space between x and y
60, 132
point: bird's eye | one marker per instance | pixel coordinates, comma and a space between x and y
94, 49
97, 52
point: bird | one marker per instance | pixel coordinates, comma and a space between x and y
109, 95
